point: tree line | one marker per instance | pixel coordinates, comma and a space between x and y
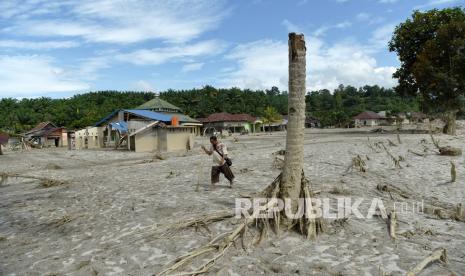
331, 108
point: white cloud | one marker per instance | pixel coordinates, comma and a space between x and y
323, 29
291, 27
264, 63
158, 56
343, 25
381, 36
192, 67
143, 85
261, 64
363, 16
117, 21
433, 3
37, 45
22, 76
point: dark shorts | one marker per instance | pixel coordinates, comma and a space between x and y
224, 169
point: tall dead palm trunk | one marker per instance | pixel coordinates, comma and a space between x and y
294, 158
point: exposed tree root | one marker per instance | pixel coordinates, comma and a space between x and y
309, 227
437, 255
197, 223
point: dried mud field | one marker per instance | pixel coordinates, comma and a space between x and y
107, 213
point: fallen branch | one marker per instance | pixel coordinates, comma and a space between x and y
45, 182
390, 188
437, 255
417, 153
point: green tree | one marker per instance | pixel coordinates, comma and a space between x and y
431, 49
271, 115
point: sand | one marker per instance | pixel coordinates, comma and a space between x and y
104, 219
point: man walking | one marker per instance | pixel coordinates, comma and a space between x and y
219, 154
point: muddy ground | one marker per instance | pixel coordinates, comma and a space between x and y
105, 218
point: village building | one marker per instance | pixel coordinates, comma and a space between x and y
163, 107
369, 119
47, 134
278, 125
142, 129
232, 123
419, 117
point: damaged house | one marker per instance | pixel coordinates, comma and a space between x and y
47, 134
142, 129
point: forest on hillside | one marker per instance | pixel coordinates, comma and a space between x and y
335, 107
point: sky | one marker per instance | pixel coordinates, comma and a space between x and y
61, 48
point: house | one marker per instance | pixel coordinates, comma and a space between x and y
235, 123
138, 130
401, 118
369, 118
47, 134
163, 107
278, 125
419, 117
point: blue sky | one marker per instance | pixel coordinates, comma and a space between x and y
60, 48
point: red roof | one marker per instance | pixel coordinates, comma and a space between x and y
366, 115
227, 117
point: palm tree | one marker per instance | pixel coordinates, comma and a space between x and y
271, 115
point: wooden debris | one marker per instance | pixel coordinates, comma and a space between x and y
197, 222
389, 188
435, 141
395, 160
398, 139
392, 144
437, 255
453, 173
159, 156
357, 163
450, 151
53, 167
280, 152
44, 182
417, 153
392, 222
47, 183
460, 216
